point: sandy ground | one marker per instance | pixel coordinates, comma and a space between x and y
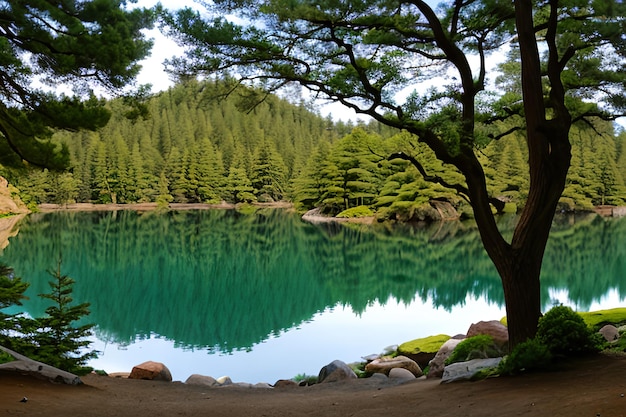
591, 387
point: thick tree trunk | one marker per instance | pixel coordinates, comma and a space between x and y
522, 295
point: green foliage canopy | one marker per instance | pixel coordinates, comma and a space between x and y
81, 45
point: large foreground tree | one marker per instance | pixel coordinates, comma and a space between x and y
412, 67
75, 44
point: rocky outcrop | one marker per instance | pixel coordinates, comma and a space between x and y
336, 371
10, 203
385, 364
154, 371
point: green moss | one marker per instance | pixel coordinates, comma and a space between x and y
510, 208
429, 344
597, 319
360, 211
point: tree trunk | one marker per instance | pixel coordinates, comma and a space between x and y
522, 295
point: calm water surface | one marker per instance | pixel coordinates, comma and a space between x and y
265, 296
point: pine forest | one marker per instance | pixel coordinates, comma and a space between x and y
194, 148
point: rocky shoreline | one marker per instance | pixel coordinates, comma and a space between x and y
396, 365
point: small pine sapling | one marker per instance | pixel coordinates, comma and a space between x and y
61, 344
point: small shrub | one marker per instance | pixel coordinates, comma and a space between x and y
526, 356
477, 347
565, 333
309, 379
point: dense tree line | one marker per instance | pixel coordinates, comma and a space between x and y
196, 148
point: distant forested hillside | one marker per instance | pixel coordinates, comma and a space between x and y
196, 148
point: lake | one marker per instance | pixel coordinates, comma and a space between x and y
265, 296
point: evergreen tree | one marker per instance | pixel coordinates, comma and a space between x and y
59, 341
307, 188
12, 290
238, 185
268, 176
77, 44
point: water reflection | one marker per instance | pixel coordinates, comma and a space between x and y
225, 281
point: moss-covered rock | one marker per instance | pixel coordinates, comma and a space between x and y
424, 349
360, 211
597, 319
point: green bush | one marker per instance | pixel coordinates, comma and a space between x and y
565, 333
477, 347
304, 378
526, 356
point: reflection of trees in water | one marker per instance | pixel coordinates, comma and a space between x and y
225, 280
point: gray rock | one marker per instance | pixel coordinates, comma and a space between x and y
466, 370
379, 377
609, 332
336, 371
197, 379
438, 363
224, 380
401, 374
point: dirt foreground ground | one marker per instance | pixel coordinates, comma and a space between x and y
591, 387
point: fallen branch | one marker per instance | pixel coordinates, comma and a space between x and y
37, 369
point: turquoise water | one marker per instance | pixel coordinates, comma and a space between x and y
266, 296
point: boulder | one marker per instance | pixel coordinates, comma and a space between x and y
224, 380
285, 383
336, 371
437, 365
385, 364
466, 370
422, 350
401, 374
197, 379
493, 328
609, 332
154, 371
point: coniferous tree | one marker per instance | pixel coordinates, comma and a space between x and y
12, 290
268, 173
77, 44
308, 186
60, 341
